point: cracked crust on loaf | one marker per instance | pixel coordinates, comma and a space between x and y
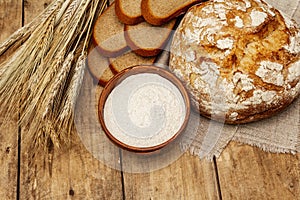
239, 59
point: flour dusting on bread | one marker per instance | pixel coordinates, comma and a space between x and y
242, 51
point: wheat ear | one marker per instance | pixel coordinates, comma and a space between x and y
43, 77
24, 32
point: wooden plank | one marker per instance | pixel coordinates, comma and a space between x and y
186, 178
32, 8
65, 174
10, 17
10, 21
249, 173
72, 174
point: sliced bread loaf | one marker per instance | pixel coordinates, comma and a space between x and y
127, 60
158, 12
129, 11
99, 66
108, 33
148, 40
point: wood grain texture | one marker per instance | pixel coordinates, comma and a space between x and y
72, 174
64, 174
186, 178
249, 173
10, 17
10, 21
8, 157
33, 8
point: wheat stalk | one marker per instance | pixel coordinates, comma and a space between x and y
55, 91
66, 112
44, 74
69, 14
24, 32
22, 67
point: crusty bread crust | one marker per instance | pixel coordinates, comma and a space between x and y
125, 17
98, 65
154, 19
108, 34
148, 40
256, 114
127, 60
239, 59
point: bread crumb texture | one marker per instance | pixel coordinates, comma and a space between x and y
240, 59
108, 33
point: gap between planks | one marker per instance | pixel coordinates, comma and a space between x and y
19, 128
217, 178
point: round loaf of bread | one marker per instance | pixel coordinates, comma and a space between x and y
240, 59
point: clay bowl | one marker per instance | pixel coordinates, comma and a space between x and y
117, 79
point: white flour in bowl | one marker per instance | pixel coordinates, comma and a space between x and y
144, 110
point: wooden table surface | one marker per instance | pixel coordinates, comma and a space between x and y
241, 172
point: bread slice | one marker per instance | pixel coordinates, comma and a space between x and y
108, 33
158, 12
99, 66
106, 76
148, 40
127, 60
129, 11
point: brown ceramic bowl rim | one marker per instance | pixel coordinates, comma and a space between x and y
139, 69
